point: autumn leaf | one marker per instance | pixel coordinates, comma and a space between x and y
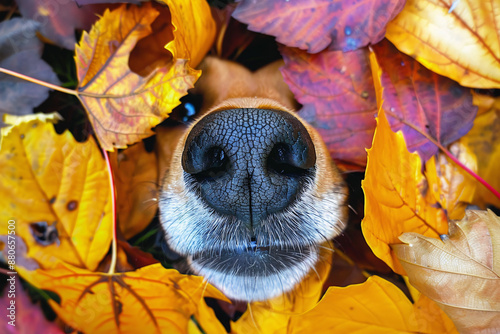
56, 190
457, 39
149, 300
338, 98
58, 19
484, 140
273, 316
21, 51
452, 186
136, 177
315, 25
122, 105
28, 317
375, 306
461, 271
398, 197
418, 101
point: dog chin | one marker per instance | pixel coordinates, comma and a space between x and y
255, 273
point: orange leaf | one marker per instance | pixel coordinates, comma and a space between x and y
457, 39
273, 316
397, 196
122, 105
149, 300
194, 30
57, 191
452, 186
375, 306
461, 272
484, 140
136, 177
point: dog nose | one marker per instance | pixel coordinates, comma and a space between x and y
248, 163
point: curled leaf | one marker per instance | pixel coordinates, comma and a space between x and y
56, 190
460, 272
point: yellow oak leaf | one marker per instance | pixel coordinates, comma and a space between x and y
273, 316
151, 299
460, 272
484, 140
57, 191
397, 196
136, 178
459, 39
375, 306
122, 105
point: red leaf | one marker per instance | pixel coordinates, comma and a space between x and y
23, 316
314, 25
338, 98
412, 94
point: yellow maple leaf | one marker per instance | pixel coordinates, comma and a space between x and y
375, 306
460, 272
459, 39
56, 190
122, 105
149, 300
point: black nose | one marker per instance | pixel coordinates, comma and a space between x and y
248, 163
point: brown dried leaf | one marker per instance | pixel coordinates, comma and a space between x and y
459, 272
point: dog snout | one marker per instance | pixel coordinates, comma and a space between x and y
248, 163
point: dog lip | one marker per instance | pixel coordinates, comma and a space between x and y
253, 260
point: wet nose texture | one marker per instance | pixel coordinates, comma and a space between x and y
248, 163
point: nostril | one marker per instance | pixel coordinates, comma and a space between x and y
283, 160
213, 164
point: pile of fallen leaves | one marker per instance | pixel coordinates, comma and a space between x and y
428, 70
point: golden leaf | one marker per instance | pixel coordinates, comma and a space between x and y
57, 190
452, 186
273, 316
461, 272
375, 306
457, 39
484, 140
122, 105
397, 196
136, 177
194, 30
149, 300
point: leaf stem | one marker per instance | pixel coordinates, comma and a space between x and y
39, 82
448, 153
113, 214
